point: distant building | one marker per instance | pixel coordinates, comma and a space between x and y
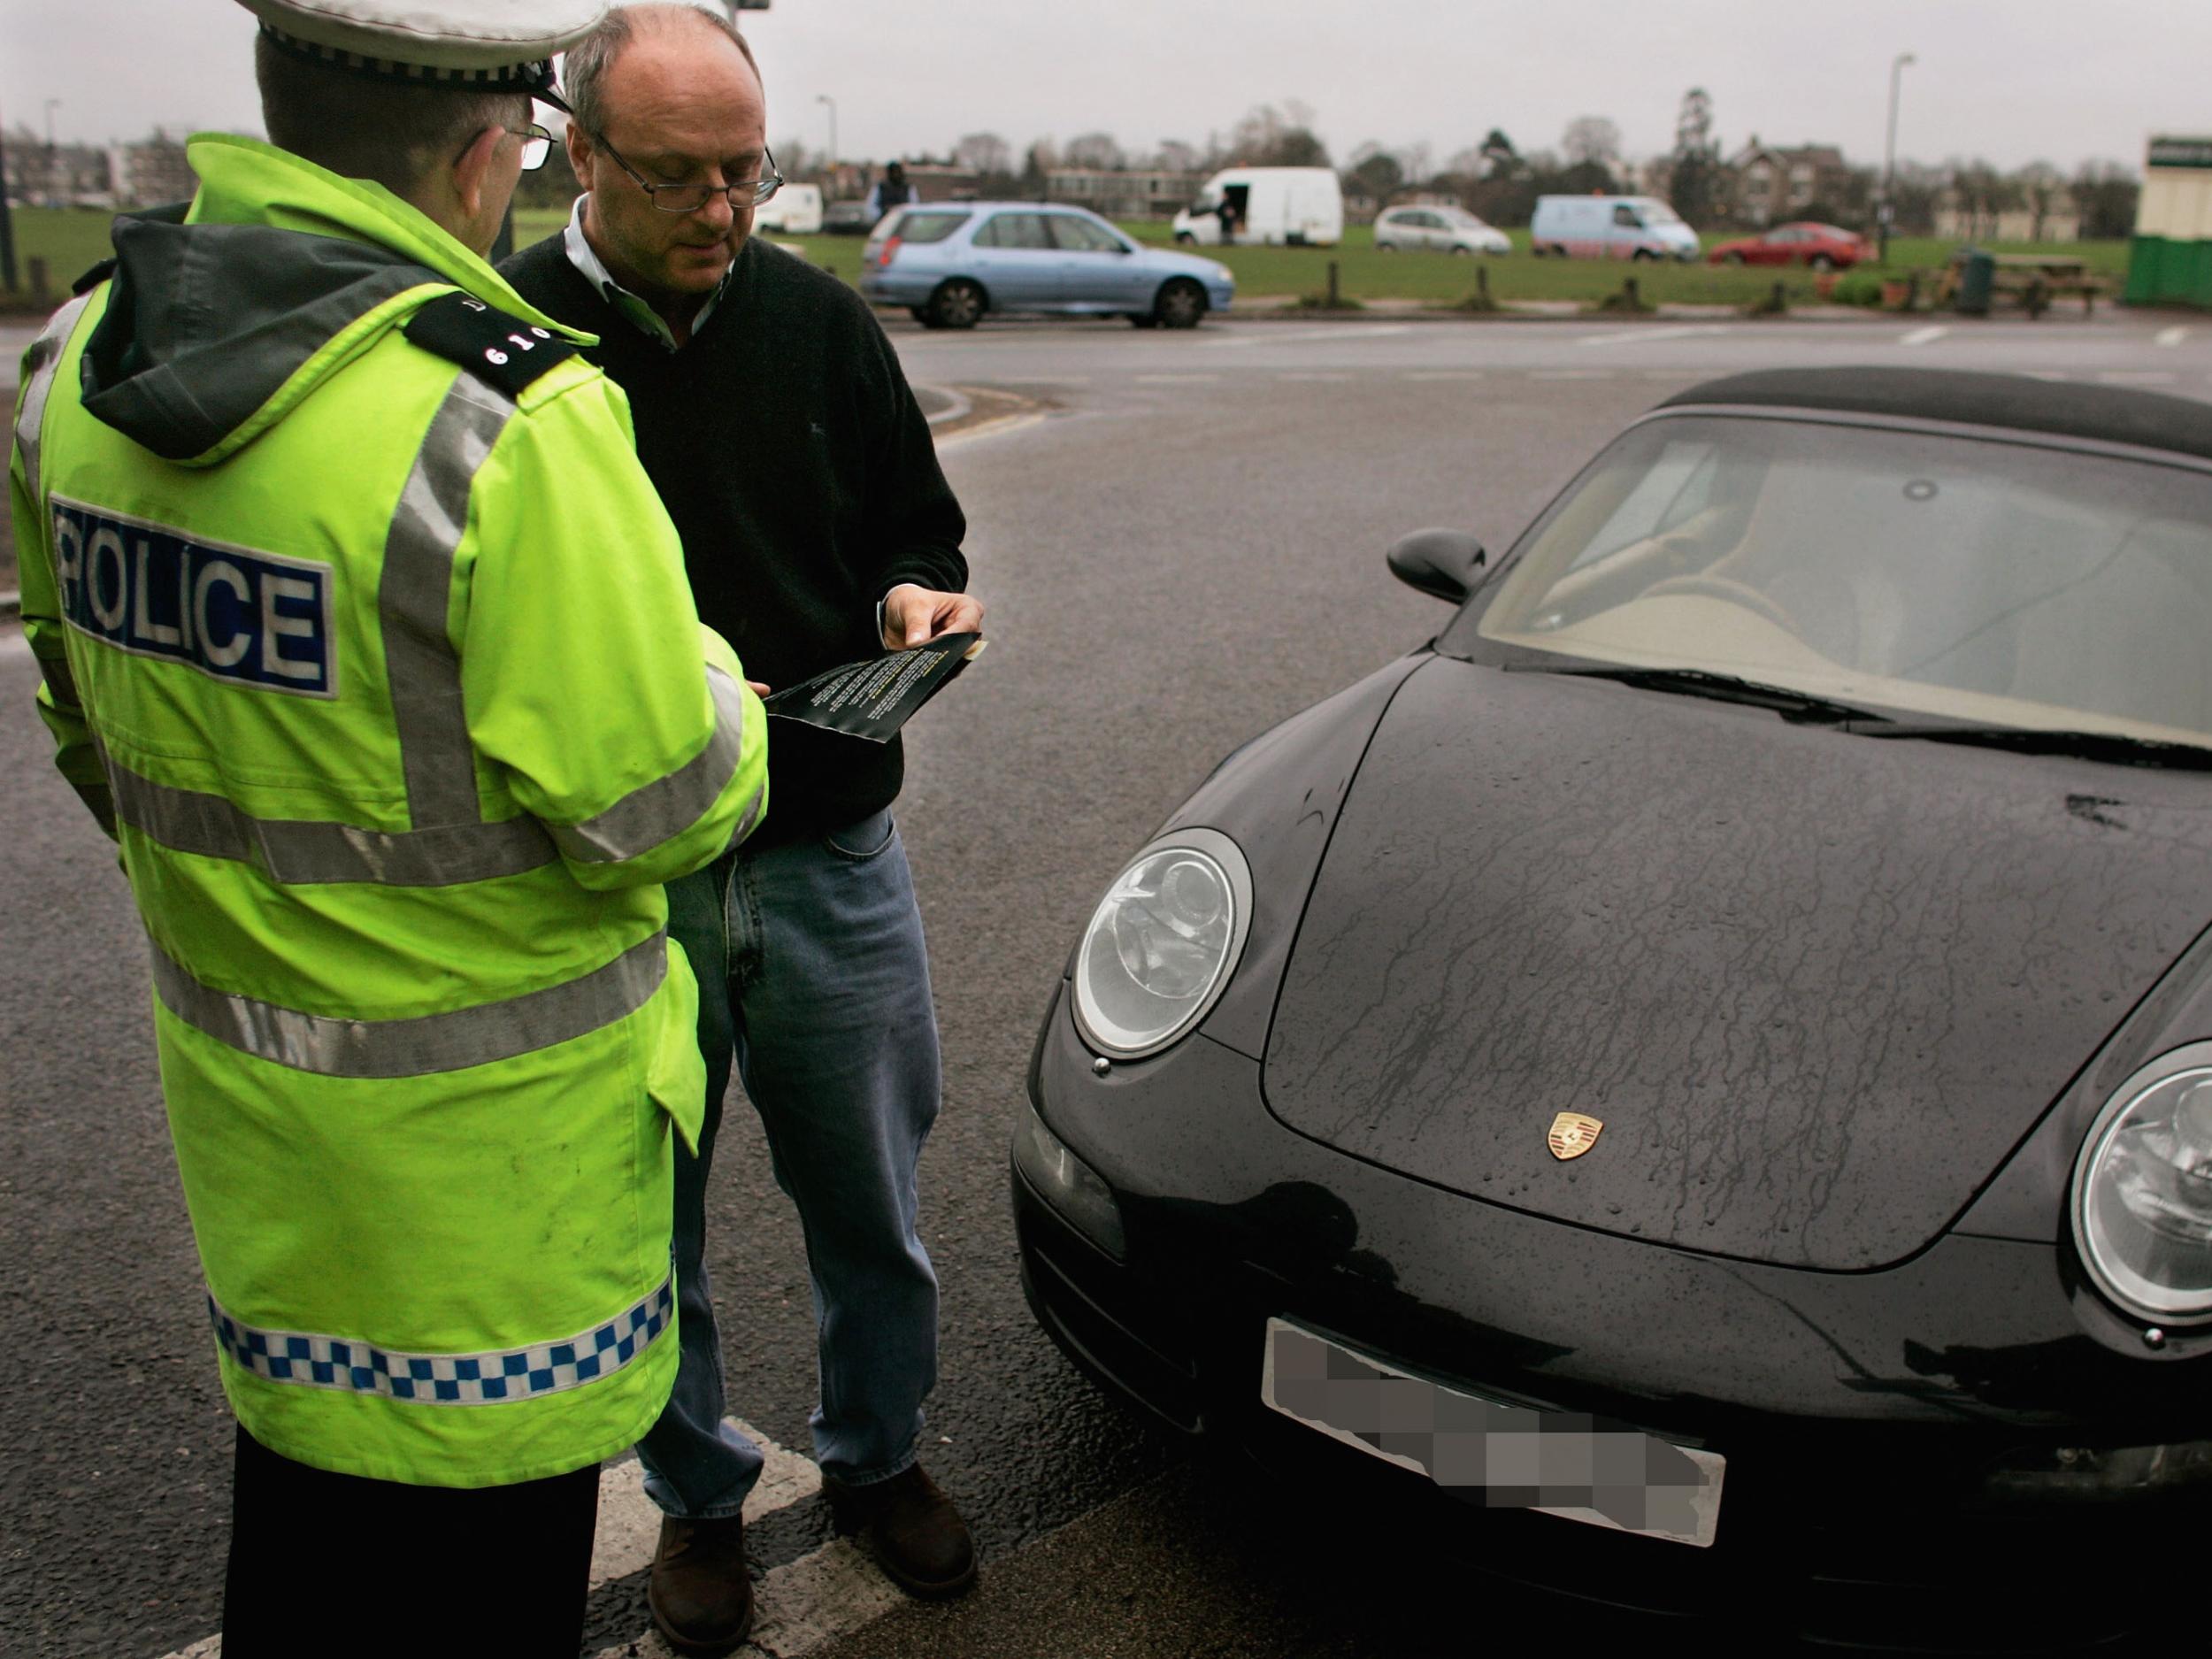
1123, 193
2048, 215
152, 173
1768, 185
934, 180
64, 175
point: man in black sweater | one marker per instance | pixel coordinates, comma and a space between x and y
775, 420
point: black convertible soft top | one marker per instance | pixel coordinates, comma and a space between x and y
2110, 414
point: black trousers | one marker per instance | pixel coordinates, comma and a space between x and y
336, 1564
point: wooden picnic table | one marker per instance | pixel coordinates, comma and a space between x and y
2033, 279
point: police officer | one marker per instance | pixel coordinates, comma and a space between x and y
366, 636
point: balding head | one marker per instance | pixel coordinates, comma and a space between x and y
584, 71
666, 96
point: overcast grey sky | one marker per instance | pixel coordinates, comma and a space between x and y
2013, 81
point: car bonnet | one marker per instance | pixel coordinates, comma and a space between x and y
1814, 987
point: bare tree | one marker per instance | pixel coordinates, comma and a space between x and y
1591, 140
1175, 155
2107, 194
2042, 187
1374, 172
1093, 150
1269, 137
984, 153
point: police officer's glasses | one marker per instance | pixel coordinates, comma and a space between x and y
537, 145
689, 198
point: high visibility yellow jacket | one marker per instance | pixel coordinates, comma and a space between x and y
363, 631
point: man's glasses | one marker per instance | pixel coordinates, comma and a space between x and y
689, 198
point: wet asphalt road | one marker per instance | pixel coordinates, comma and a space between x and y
1183, 548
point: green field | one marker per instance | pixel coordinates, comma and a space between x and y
72, 240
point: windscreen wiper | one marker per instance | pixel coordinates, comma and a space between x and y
1699, 682
2105, 746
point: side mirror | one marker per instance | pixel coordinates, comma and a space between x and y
1442, 563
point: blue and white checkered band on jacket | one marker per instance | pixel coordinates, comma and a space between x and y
535, 77
462, 1379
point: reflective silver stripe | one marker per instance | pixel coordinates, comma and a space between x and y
313, 1361
426, 1043
61, 682
40, 364
751, 817
300, 852
645, 818
420, 665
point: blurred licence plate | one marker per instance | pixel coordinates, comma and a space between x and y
1583, 1468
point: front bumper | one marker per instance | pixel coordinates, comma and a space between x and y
1861, 1414
895, 288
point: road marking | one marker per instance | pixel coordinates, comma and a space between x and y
2173, 336
1174, 380
2046, 374
630, 1522
1571, 374
799, 1608
1270, 334
1924, 336
2138, 377
1041, 380
808, 1602
1311, 375
1673, 376
989, 429
1441, 374
1683, 331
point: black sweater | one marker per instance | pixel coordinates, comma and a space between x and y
802, 474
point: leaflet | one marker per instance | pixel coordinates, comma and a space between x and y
873, 699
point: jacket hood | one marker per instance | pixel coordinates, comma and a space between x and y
220, 319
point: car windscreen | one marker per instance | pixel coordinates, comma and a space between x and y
930, 225
2002, 582
1658, 213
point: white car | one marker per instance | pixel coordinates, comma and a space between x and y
1445, 229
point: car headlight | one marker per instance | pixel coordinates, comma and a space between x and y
1162, 943
2142, 1196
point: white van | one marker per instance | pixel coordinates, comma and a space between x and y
1299, 206
1609, 227
793, 210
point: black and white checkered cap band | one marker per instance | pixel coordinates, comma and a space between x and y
536, 76
347, 1363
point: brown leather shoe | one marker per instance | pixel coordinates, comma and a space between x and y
700, 1592
910, 1526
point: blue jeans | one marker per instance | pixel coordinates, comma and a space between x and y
813, 977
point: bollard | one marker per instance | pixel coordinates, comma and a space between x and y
1335, 299
36, 267
1631, 301
1780, 303
1482, 283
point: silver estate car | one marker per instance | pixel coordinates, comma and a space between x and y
950, 263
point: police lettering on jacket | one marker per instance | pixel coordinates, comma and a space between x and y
234, 614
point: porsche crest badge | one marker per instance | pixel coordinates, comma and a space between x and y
1572, 1134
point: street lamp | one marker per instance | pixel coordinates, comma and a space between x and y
53, 188
824, 97
1889, 162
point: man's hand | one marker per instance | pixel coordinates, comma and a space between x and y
914, 615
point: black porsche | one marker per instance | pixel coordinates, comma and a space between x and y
1702, 1074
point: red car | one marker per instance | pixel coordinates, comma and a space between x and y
1823, 247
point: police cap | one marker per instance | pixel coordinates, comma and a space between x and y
481, 45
